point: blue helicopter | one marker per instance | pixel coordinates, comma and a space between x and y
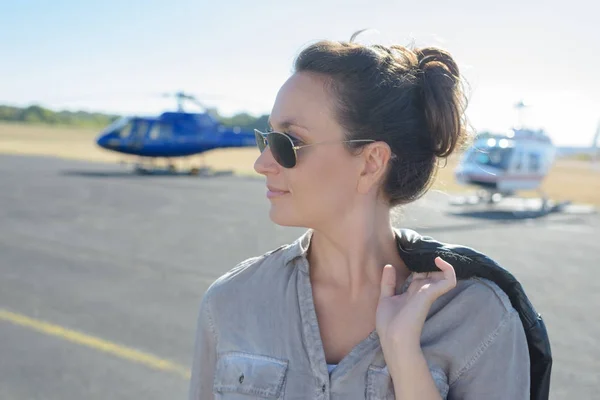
172, 134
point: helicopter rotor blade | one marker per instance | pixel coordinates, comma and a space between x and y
194, 100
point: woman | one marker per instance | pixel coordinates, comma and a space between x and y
356, 131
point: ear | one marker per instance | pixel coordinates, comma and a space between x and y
375, 158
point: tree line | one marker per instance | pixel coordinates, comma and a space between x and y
36, 114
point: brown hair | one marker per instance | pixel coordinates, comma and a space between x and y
410, 99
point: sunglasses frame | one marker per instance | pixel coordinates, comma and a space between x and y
264, 136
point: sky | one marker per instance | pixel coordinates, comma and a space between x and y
121, 56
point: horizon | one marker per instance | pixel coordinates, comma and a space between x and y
74, 56
564, 147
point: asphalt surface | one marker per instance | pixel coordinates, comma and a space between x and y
123, 258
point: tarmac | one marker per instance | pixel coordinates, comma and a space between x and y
102, 271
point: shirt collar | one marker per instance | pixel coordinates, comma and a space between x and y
299, 248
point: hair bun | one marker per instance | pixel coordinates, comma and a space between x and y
433, 58
442, 99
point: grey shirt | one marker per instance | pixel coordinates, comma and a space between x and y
258, 337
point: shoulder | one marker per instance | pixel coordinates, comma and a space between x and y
250, 275
478, 306
473, 322
252, 285
478, 293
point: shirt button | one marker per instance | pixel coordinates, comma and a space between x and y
241, 378
323, 388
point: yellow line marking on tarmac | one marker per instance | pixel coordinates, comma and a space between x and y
96, 343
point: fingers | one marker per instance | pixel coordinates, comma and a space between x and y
388, 282
447, 270
428, 275
439, 282
448, 281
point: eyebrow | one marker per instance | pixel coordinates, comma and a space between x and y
287, 123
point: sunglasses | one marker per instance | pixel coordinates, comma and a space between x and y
283, 148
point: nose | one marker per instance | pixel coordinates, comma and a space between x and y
265, 163
107, 140
102, 140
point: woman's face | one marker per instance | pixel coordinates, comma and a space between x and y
322, 186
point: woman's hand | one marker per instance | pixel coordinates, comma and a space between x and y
399, 323
400, 318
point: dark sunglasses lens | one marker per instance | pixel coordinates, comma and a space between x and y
282, 150
260, 141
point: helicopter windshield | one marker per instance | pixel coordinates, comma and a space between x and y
118, 125
128, 127
496, 157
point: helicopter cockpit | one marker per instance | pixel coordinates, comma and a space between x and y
495, 154
135, 128
117, 125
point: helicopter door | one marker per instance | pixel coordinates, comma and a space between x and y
534, 163
516, 175
138, 134
527, 172
519, 170
159, 138
160, 132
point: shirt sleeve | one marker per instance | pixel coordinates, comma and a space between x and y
203, 363
499, 368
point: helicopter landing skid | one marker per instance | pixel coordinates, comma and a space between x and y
509, 203
478, 198
149, 167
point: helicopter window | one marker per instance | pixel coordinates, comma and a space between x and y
154, 131
519, 162
534, 162
117, 125
160, 131
496, 157
125, 131
140, 129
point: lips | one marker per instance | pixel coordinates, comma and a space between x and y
275, 189
275, 192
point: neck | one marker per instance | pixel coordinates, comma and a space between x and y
350, 254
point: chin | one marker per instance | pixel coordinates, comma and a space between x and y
280, 216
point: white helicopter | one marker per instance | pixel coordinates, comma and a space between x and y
501, 164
